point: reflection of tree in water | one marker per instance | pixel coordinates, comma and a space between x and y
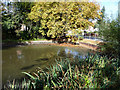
19, 54
70, 53
66, 53
61, 53
49, 55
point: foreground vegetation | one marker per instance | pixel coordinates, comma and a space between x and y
94, 71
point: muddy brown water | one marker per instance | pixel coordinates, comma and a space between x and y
16, 60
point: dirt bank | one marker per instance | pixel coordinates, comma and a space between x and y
93, 47
81, 44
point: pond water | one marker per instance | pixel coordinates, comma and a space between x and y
27, 58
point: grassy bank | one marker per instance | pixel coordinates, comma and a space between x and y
94, 71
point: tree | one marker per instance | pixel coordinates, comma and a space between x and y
8, 21
22, 9
110, 33
56, 18
101, 22
12, 18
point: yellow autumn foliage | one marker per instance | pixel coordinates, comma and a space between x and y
59, 17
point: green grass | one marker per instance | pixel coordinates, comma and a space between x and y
94, 71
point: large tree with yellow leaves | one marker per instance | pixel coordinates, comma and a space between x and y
57, 18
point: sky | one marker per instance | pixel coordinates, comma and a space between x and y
111, 7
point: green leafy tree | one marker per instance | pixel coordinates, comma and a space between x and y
101, 22
22, 9
16, 13
110, 33
9, 21
56, 18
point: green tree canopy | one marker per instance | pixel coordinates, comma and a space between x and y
110, 32
57, 18
14, 14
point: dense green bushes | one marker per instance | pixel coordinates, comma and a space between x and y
94, 71
109, 31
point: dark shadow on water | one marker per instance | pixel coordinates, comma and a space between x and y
27, 67
43, 59
12, 45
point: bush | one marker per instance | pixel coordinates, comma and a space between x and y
108, 49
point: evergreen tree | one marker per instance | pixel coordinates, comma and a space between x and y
101, 22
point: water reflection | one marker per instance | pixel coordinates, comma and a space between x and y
28, 58
19, 54
70, 53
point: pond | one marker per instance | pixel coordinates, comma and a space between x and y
27, 58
